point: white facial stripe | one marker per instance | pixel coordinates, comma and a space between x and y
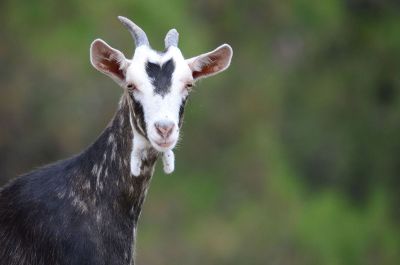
160, 108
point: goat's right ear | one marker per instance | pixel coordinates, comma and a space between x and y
109, 61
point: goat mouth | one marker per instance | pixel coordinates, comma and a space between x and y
164, 144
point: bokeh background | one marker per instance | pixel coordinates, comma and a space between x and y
292, 156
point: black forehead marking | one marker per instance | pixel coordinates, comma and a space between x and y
161, 76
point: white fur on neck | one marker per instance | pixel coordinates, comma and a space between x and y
140, 145
168, 161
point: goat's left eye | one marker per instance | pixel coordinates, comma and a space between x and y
131, 86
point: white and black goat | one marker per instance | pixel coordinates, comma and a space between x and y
84, 210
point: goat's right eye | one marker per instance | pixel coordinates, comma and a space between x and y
189, 87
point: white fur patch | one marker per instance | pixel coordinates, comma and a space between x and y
168, 159
159, 107
139, 150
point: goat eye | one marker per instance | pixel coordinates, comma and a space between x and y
131, 87
189, 86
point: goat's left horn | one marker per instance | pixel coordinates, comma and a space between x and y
137, 33
171, 39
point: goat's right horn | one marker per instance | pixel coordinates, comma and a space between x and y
171, 39
137, 33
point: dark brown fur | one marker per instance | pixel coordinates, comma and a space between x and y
82, 210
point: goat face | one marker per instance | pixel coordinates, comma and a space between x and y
158, 83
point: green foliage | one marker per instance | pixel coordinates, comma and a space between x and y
289, 157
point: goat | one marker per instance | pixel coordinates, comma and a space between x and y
84, 210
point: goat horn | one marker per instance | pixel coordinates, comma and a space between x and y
171, 39
137, 33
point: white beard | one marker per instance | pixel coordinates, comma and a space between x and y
140, 145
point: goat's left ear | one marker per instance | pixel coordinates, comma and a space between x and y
109, 61
211, 63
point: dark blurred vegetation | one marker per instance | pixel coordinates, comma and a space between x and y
290, 157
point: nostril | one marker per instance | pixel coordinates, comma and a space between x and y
169, 130
159, 130
164, 128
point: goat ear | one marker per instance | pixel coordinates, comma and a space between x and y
109, 61
211, 63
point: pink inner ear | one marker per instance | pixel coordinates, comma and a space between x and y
109, 64
105, 60
209, 68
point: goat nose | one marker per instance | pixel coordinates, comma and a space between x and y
164, 128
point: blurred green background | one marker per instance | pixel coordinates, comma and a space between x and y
292, 156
